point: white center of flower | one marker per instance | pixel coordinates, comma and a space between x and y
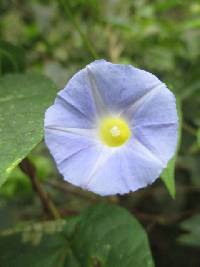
115, 131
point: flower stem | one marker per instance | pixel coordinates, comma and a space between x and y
29, 169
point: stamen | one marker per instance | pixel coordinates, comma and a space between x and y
115, 131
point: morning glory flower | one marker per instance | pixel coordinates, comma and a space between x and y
112, 129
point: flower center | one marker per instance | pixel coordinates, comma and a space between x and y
114, 131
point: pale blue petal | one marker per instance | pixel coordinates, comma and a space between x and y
129, 169
64, 145
157, 107
109, 180
155, 123
78, 93
121, 85
65, 115
76, 169
160, 139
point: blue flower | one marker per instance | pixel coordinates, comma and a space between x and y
112, 129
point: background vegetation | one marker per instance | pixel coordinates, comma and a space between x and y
55, 39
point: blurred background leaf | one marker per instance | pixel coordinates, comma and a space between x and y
12, 58
191, 227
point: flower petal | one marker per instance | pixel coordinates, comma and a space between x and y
159, 139
63, 114
109, 180
78, 93
129, 169
157, 107
101, 108
155, 123
64, 145
121, 85
77, 168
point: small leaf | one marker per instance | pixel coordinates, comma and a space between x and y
104, 235
168, 175
23, 101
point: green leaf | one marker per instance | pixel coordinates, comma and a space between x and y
192, 227
104, 236
23, 101
168, 175
111, 236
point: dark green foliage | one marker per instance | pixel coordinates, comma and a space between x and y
105, 235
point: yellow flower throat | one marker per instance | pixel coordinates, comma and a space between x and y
114, 131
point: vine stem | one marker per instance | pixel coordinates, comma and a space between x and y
88, 44
29, 169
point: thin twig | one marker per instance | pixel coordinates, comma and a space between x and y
69, 189
29, 169
164, 219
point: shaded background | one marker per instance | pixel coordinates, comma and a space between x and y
58, 38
